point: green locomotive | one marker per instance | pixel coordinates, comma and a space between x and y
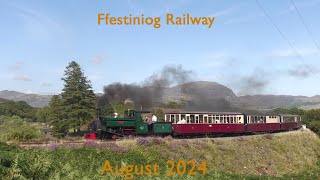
130, 124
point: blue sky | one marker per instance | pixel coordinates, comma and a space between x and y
39, 38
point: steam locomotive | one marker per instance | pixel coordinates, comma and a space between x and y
189, 123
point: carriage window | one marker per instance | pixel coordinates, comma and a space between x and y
205, 119
188, 119
168, 118
172, 118
183, 116
210, 119
192, 119
177, 118
252, 119
201, 119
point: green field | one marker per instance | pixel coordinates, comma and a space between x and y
278, 156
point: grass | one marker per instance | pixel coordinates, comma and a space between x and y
290, 155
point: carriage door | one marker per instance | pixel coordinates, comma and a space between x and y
196, 117
188, 118
205, 118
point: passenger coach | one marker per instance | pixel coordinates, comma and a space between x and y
197, 122
205, 122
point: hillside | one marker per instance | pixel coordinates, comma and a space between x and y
200, 95
34, 100
193, 90
3, 100
214, 96
267, 102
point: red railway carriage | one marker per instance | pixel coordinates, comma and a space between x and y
259, 123
194, 122
199, 122
290, 122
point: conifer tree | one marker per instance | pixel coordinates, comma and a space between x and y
55, 116
78, 98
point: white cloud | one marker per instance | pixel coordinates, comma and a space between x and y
35, 22
224, 12
303, 71
16, 66
155, 7
94, 77
22, 78
291, 52
300, 5
45, 84
97, 60
236, 20
218, 59
29, 92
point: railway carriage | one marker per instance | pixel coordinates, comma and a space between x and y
205, 122
290, 122
258, 123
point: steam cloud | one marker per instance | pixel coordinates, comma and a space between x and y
255, 83
150, 91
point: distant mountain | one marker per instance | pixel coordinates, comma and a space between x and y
191, 90
3, 100
202, 95
214, 96
199, 95
34, 100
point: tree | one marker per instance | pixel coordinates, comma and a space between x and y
55, 116
20, 108
78, 98
42, 114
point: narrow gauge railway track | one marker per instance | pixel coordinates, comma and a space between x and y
70, 144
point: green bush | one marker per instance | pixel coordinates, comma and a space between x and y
16, 129
309, 117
